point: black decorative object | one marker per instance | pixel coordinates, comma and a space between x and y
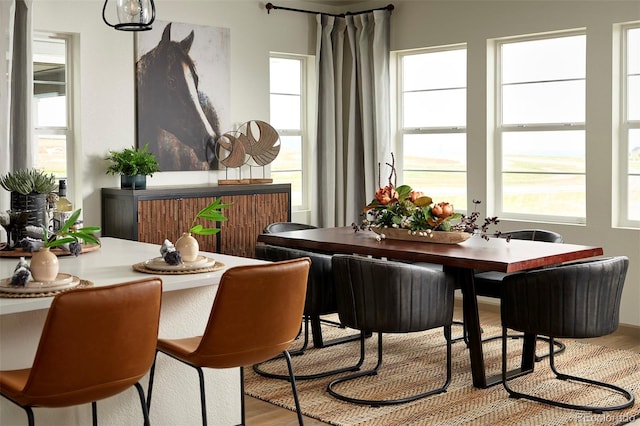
31, 209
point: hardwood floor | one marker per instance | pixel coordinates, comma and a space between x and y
265, 414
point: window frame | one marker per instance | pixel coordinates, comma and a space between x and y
625, 126
500, 129
68, 130
403, 131
304, 61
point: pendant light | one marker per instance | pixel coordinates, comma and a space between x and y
133, 15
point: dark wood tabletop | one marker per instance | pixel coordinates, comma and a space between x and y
476, 253
462, 259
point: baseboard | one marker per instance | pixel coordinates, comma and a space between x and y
492, 306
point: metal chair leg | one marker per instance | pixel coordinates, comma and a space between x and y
94, 413
560, 376
151, 376
258, 367
292, 379
30, 418
203, 400
374, 371
145, 412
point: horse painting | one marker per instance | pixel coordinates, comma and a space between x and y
175, 118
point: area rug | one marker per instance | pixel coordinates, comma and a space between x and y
415, 363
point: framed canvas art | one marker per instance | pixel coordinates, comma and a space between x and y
182, 93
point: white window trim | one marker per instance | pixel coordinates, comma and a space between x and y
623, 136
306, 81
402, 131
500, 128
74, 151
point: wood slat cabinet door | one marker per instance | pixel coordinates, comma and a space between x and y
157, 220
169, 218
189, 208
248, 215
238, 231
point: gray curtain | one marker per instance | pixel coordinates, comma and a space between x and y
353, 120
16, 88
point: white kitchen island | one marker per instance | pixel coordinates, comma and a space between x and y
186, 303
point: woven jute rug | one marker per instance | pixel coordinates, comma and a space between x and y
415, 362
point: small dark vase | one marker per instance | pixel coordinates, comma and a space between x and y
133, 182
32, 209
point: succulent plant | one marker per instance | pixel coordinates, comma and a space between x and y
27, 181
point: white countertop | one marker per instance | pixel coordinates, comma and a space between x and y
111, 264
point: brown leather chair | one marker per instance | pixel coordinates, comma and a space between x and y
576, 301
255, 316
96, 343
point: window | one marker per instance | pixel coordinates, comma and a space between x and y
540, 137
51, 103
433, 112
288, 117
630, 127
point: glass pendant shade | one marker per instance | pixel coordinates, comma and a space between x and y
133, 15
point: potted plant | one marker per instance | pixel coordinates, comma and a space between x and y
187, 245
133, 165
29, 189
44, 264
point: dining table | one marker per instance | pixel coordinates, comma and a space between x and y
460, 259
186, 303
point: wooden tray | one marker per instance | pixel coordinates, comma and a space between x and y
439, 237
86, 248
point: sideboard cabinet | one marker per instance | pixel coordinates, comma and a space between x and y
157, 213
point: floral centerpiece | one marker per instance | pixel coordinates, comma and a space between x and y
399, 212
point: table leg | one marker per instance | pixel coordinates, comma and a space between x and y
472, 326
471, 323
528, 352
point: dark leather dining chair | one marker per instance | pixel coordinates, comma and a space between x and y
320, 293
275, 227
255, 316
320, 300
96, 343
576, 301
489, 283
381, 296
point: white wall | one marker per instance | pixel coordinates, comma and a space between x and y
107, 112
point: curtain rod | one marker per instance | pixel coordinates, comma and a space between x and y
270, 6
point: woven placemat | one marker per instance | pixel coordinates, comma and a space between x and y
141, 268
81, 284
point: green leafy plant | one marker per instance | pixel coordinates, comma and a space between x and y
27, 181
212, 212
67, 233
132, 161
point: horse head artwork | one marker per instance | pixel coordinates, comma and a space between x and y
175, 118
